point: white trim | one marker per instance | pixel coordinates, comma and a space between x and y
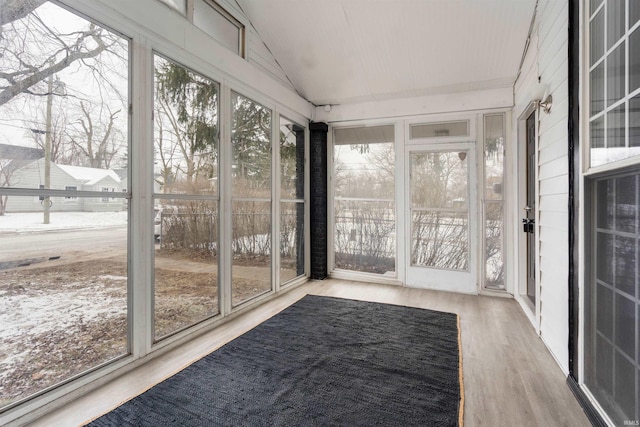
275, 200
520, 265
405, 108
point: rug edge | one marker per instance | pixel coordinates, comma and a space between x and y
460, 375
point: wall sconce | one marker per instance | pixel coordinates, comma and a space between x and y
546, 104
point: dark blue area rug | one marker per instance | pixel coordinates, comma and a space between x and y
320, 362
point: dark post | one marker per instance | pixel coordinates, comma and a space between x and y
318, 199
299, 131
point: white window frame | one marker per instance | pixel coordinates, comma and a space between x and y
398, 276
590, 173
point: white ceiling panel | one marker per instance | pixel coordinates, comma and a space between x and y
346, 51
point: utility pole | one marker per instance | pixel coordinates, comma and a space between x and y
46, 202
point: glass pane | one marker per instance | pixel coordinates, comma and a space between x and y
616, 75
634, 12
63, 289
440, 240
62, 106
615, 21
604, 311
625, 264
292, 157
363, 135
634, 122
63, 293
634, 57
494, 157
611, 359
365, 236
625, 390
596, 32
186, 131
251, 144
616, 130
186, 263
597, 89
291, 241
217, 25
365, 170
604, 254
605, 204
626, 204
604, 365
625, 325
494, 245
439, 180
251, 246
439, 130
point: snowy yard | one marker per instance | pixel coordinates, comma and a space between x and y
33, 221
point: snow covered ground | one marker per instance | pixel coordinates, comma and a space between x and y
33, 221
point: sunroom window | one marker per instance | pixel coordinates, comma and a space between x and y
219, 24
364, 199
186, 197
251, 199
292, 195
63, 140
612, 283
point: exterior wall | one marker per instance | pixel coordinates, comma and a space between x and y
546, 63
32, 176
92, 204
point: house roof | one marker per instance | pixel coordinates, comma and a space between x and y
17, 152
347, 51
90, 176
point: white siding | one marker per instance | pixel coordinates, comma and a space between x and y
547, 58
32, 176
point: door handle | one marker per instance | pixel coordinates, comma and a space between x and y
528, 209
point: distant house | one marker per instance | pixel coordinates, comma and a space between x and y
70, 178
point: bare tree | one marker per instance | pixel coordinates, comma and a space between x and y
95, 139
7, 170
31, 50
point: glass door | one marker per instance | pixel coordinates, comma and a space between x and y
442, 247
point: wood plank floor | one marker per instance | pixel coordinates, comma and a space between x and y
510, 378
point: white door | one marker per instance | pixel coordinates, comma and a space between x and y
442, 217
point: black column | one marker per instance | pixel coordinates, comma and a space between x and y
318, 199
299, 131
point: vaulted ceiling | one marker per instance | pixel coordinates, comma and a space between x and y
347, 51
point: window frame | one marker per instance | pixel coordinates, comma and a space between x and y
592, 174
398, 150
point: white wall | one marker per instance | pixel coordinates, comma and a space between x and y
257, 51
547, 59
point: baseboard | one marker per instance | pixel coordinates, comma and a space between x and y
588, 408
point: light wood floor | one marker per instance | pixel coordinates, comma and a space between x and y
509, 376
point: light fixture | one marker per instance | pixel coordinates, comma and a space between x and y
546, 104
